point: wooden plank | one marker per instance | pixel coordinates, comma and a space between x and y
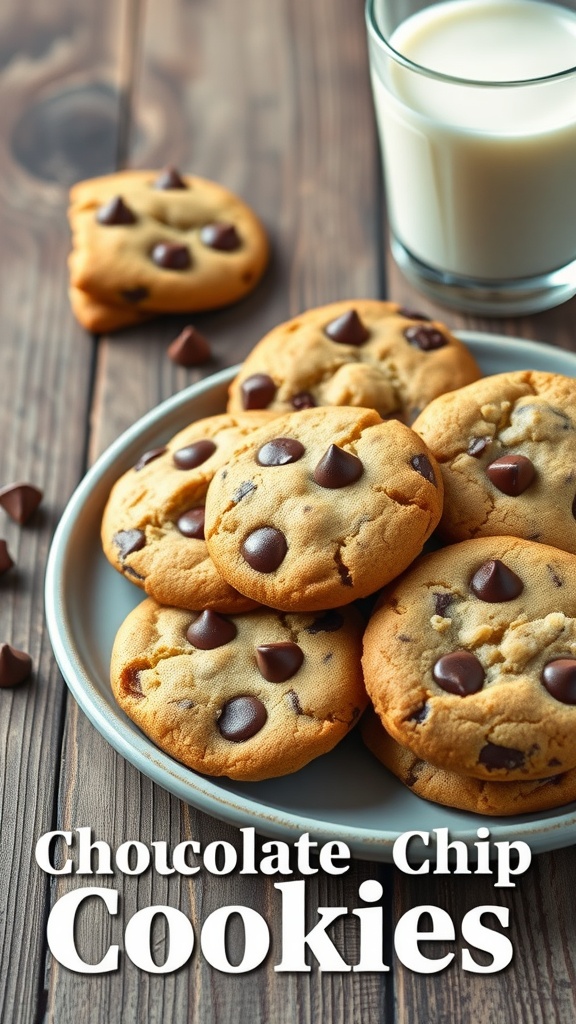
60, 84
272, 100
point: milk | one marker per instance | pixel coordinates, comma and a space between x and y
481, 179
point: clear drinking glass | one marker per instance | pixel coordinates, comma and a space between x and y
476, 108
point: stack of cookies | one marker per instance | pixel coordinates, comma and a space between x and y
255, 534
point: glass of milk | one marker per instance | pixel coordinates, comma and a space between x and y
476, 109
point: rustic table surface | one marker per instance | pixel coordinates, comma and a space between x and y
272, 99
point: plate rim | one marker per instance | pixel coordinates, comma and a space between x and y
203, 792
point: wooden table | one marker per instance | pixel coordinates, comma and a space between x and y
272, 99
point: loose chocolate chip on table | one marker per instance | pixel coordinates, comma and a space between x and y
171, 256
15, 666
303, 400
511, 474
191, 523
442, 602
278, 662
459, 672
190, 348
494, 756
559, 678
115, 211
329, 622
20, 501
477, 445
169, 178
194, 454
135, 294
338, 468
495, 582
348, 329
422, 465
257, 391
210, 630
129, 541
426, 338
147, 457
241, 718
264, 549
221, 236
280, 451
412, 314
5, 561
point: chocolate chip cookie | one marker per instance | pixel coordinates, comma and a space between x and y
364, 353
471, 659
461, 791
322, 506
146, 242
153, 523
507, 448
249, 696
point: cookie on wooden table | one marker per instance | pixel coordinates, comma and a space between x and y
470, 660
461, 791
365, 353
321, 507
153, 523
507, 449
146, 242
249, 696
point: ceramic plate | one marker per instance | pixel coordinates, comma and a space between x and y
343, 795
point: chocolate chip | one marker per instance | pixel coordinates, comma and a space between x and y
194, 454
190, 348
129, 541
221, 236
511, 474
459, 672
442, 602
20, 501
135, 294
343, 570
6, 562
556, 579
477, 445
278, 662
338, 468
303, 400
257, 391
292, 698
171, 256
264, 549
422, 465
426, 338
168, 179
329, 622
210, 630
115, 211
129, 571
132, 682
147, 457
420, 714
348, 329
241, 718
15, 666
494, 756
245, 488
280, 451
411, 314
191, 523
559, 678
574, 508
495, 582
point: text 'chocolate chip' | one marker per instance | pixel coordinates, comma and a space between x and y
459, 672
241, 718
264, 549
495, 582
278, 662
210, 630
338, 468
559, 678
511, 474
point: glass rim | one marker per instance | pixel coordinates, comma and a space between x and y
376, 34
